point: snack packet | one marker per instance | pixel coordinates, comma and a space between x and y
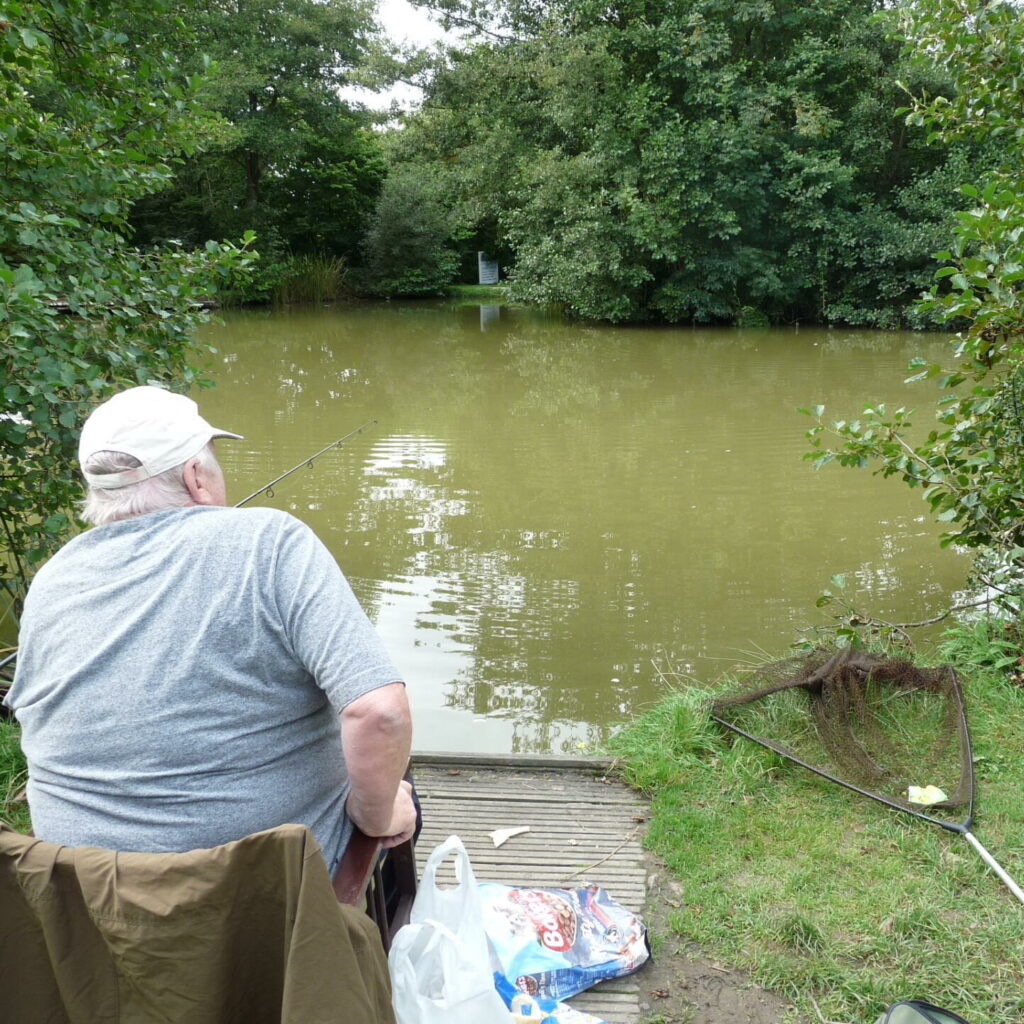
553, 943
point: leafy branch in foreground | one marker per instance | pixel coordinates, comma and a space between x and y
88, 123
852, 626
971, 466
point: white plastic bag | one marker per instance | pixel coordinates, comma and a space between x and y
440, 963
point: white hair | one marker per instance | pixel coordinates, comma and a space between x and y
165, 490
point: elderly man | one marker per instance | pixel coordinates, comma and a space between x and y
182, 666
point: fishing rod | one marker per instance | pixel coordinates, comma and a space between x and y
268, 489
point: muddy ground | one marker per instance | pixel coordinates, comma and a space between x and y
679, 986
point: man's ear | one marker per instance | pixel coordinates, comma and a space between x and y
197, 483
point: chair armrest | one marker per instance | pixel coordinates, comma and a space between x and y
404, 881
356, 868
388, 894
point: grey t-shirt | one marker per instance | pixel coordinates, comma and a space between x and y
179, 679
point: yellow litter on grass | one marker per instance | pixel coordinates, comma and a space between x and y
926, 796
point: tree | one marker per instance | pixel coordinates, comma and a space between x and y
89, 124
407, 244
296, 163
690, 160
971, 466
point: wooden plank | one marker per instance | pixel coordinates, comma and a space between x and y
541, 780
546, 848
503, 812
478, 786
583, 827
517, 762
578, 805
578, 808
536, 782
567, 866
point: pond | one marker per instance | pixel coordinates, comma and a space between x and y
550, 523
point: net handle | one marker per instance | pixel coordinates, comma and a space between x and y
992, 863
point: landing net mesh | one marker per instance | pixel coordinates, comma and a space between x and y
875, 723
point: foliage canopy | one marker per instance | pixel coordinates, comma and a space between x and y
293, 161
88, 124
692, 160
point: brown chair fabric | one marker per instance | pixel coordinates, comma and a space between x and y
245, 933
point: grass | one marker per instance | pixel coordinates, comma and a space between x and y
313, 279
479, 292
13, 811
824, 895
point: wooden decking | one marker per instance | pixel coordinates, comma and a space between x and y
582, 827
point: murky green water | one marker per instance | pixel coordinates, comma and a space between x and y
546, 518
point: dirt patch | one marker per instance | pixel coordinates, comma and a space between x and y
679, 986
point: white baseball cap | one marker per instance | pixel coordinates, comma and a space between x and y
157, 427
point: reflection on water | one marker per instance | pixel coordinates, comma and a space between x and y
545, 513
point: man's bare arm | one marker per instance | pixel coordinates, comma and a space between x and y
376, 734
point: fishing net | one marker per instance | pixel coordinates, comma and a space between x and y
878, 725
